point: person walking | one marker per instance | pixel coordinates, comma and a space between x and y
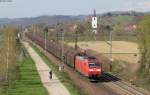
50, 74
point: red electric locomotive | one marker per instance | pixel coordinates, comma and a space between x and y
88, 66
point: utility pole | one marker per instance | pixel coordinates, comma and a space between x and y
110, 40
110, 30
62, 47
45, 31
33, 30
45, 41
110, 44
57, 29
57, 36
76, 40
34, 34
61, 66
76, 36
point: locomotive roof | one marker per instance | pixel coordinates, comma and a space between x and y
87, 57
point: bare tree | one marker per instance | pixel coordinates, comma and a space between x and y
144, 43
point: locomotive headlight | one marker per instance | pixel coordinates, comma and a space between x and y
98, 70
91, 70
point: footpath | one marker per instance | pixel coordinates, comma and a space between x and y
53, 86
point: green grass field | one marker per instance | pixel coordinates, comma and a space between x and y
28, 82
63, 76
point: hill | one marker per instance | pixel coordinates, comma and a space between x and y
49, 20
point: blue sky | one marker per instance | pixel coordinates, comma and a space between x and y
32, 8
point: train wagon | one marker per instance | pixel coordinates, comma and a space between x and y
71, 57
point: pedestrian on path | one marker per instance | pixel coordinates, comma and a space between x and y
50, 74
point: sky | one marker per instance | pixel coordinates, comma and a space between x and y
33, 8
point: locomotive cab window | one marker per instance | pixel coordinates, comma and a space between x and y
93, 65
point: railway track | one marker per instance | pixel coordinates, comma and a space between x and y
125, 87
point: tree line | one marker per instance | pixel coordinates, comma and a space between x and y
9, 52
144, 44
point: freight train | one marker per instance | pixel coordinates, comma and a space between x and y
87, 65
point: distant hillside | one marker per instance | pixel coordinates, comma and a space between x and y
125, 13
49, 20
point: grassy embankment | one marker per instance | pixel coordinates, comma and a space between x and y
63, 76
28, 81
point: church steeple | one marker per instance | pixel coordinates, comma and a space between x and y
94, 13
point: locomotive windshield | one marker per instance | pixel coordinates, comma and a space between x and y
93, 65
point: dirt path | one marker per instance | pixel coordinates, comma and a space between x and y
53, 86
